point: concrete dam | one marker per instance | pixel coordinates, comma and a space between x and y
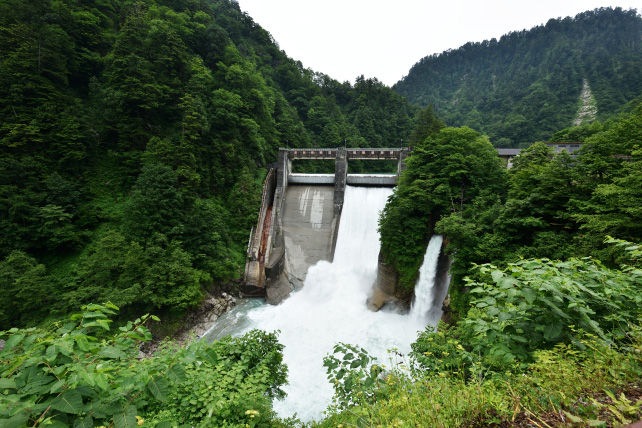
300, 216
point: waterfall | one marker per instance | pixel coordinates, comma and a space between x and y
425, 287
331, 308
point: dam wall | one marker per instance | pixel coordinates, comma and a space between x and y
299, 219
308, 230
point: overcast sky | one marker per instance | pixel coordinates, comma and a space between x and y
383, 39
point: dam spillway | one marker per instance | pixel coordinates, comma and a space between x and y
299, 218
308, 229
331, 308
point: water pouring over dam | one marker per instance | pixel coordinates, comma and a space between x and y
275, 266
330, 307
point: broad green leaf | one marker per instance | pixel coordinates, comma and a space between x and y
553, 330
83, 343
497, 274
554, 308
54, 423
13, 341
52, 352
211, 356
348, 383
57, 386
88, 377
104, 324
110, 352
87, 422
16, 421
164, 424
506, 282
158, 388
101, 381
126, 418
520, 339
176, 373
503, 316
491, 311
88, 315
529, 295
68, 402
7, 383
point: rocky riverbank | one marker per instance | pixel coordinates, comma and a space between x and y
195, 323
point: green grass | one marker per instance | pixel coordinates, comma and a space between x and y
557, 390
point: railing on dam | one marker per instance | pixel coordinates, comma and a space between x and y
342, 156
351, 153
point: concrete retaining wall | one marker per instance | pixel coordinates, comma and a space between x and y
253, 273
311, 179
377, 180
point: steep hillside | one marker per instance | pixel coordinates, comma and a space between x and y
529, 84
133, 136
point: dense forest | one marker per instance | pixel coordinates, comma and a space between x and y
133, 141
531, 83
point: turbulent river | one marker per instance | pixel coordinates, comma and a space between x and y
331, 308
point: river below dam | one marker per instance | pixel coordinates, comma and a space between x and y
331, 308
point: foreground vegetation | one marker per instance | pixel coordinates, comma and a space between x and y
597, 386
544, 343
547, 343
82, 375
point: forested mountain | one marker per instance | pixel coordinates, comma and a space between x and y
548, 205
529, 84
133, 136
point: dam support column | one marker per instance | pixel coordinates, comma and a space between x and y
340, 178
283, 171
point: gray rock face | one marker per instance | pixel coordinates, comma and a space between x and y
384, 287
209, 312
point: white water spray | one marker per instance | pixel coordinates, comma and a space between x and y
425, 287
331, 308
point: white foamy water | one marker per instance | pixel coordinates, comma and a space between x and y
425, 287
331, 308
